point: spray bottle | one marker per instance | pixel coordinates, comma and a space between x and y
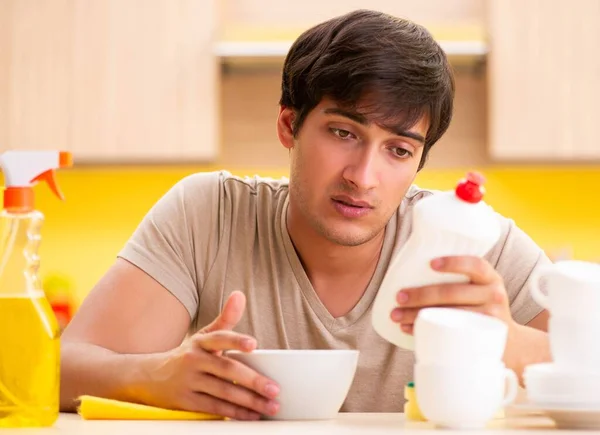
455, 222
29, 333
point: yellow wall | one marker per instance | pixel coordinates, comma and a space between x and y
557, 206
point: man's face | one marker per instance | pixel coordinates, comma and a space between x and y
348, 176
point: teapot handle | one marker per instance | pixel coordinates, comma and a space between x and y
536, 293
513, 387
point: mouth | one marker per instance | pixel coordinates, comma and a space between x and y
351, 202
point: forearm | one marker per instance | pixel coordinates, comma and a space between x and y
87, 369
525, 346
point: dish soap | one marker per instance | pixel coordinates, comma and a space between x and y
29, 333
455, 222
411, 407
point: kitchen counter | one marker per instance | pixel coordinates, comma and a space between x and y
359, 424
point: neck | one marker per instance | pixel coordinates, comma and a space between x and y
323, 258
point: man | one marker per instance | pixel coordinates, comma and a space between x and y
297, 265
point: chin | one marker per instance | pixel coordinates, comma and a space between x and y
347, 237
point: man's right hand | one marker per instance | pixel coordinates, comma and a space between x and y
198, 377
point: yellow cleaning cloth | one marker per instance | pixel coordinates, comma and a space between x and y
98, 408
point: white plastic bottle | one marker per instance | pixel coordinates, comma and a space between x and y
448, 223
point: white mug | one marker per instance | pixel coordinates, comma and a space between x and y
454, 336
575, 343
571, 289
464, 396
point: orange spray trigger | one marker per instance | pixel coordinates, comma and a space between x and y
50, 178
65, 159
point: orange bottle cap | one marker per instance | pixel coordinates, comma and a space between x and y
18, 199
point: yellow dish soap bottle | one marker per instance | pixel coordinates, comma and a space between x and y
29, 333
412, 412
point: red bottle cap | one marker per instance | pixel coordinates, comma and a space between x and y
470, 189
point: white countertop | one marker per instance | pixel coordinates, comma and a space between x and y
346, 423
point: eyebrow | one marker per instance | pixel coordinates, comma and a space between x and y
361, 119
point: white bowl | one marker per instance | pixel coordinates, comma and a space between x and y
548, 385
313, 383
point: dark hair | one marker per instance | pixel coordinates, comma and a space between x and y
390, 67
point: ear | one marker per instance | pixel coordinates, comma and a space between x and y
285, 122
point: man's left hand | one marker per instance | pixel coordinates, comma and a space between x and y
485, 293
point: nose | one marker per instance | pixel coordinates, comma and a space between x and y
363, 172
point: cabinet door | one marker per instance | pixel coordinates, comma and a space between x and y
544, 81
270, 17
113, 80
35, 59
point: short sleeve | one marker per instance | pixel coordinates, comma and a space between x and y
175, 243
515, 257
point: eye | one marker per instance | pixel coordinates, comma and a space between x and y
402, 153
342, 134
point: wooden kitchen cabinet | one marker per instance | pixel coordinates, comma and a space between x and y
254, 36
265, 16
544, 80
34, 74
114, 81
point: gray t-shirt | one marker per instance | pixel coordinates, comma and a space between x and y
214, 233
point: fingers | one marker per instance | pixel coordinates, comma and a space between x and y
230, 315
408, 329
236, 395
224, 340
232, 370
226, 379
222, 385
484, 293
450, 295
407, 316
477, 269
201, 402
